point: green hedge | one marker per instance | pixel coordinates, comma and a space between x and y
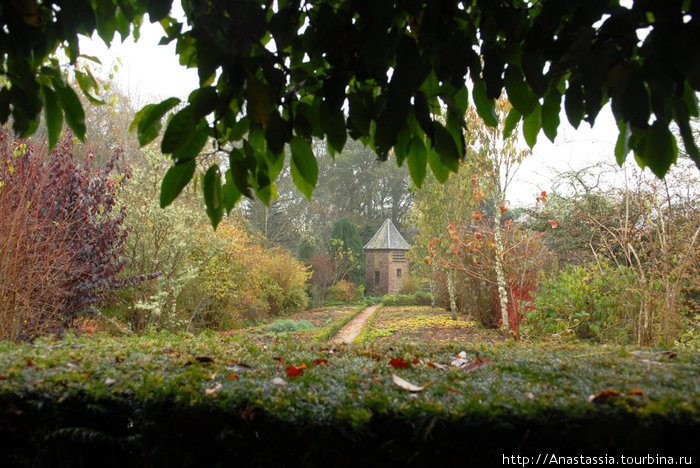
416, 299
164, 400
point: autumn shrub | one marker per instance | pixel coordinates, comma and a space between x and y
161, 240
587, 302
342, 291
239, 279
63, 245
283, 282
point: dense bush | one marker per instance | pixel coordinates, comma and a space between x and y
418, 298
342, 291
588, 302
238, 279
61, 243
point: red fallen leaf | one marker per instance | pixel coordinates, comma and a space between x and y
293, 371
202, 359
478, 362
415, 361
301, 367
232, 377
399, 363
277, 358
320, 361
324, 349
168, 351
30, 363
453, 390
605, 395
430, 364
3, 377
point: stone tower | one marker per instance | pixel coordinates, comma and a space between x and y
385, 260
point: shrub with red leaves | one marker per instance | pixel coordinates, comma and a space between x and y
55, 200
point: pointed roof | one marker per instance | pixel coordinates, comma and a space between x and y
387, 237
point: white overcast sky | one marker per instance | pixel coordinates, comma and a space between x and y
150, 73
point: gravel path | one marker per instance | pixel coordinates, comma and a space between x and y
348, 333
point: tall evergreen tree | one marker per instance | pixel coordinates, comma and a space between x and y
345, 230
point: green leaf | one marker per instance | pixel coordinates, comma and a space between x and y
660, 149
231, 193
622, 147
550, 114
440, 171
53, 114
75, 116
359, 119
184, 137
148, 120
519, 92
213, 196
259, 98
86, 82
511, 122
634, 103
531, 126
417, 160
175, 180
333, 124
446, 148
304, 167
203, 101
401, 148
485, 107
276, 133
573, 104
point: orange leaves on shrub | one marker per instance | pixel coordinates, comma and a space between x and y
478, 235
553, 223
476, 214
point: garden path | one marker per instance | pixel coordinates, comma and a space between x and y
348, 333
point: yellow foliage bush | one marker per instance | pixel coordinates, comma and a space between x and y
239, 279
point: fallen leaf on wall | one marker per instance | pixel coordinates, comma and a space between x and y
406, 385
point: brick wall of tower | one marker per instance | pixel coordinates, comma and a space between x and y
387, 263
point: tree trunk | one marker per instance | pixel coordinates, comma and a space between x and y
451, 289
500, 274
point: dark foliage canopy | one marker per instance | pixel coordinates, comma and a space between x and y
277, 73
